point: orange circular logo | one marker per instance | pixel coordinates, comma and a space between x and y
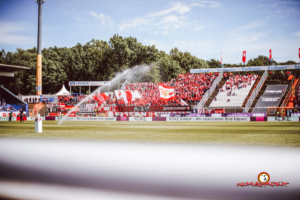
263, 177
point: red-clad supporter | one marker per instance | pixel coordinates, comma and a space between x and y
238, 81
188, 87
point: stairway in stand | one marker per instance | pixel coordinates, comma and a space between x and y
215, 92
255, 84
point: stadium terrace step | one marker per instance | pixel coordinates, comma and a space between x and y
235, 91
215, 93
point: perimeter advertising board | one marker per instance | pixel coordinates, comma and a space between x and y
205, 119
140, 118
6, 114
87, 118
88, 83
216, 115
295, 115
283, 119
87, 108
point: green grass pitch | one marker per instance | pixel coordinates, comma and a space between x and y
254, 133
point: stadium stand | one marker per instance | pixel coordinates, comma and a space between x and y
188, 87
234, 91
10, 102
271, 98
215, 92
256, 88
292, 98
273, 79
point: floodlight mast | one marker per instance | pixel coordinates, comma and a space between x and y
39, 50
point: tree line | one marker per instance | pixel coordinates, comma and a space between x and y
99, 60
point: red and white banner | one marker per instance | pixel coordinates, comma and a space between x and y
101, 97
127, 95
221, 59
121, 94
270, 54
299, 53
166, 93
244, 57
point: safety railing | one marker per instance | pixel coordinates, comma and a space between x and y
289, 94
255, 91
210, 91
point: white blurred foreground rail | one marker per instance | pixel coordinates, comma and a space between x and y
57, 169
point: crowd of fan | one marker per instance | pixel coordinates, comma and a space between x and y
71, 99
6, 107
280, 74
236, 82
188, 87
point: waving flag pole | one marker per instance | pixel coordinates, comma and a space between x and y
221, 59
270, 55
299, 54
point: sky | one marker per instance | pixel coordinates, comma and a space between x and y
203, 28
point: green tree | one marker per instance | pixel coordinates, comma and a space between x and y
187, 61
260, 61
289, 62
213, 63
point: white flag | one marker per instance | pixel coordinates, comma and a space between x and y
120, 94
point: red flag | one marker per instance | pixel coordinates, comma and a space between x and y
166, 93
101, 97
129, 95
270, 54
299, 53
221, 59
244, 57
